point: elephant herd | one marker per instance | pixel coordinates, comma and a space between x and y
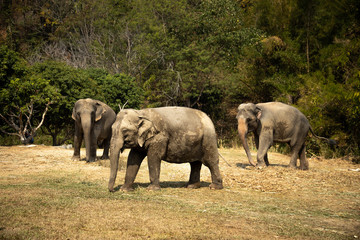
181, 135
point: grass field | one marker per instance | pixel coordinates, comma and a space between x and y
46, 195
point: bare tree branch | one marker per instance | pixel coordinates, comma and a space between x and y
10, 123
43, 116
13, 134
123, 107
22, 130
30, 109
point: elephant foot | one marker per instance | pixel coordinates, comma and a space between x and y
104, 157
292, 166
76, 158
193, 185
91, 160
153, 187
304, 168
261, 165
216, 186
126, 189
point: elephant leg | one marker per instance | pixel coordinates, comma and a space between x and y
216, 180
304, 163
156, 152
266, 160
194, 181
265, 142
135, 159
93, 148
212, 162
77, 143
293, 159
295, 150
154, 164
257, 147
106, 143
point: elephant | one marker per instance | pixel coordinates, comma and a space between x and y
171, 134
275, 122
93, 121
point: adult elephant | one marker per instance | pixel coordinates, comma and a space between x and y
274, 122
172, 134
93, 121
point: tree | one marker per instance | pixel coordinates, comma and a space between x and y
331, 97
71, 84
119, 89
25, 99
206, 54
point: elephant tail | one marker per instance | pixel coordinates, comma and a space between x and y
224, 160
331, 142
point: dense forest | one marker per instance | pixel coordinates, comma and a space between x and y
206, 54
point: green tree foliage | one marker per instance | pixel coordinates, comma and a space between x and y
121, 90
11, 66
24, 98
331, 97
206, 54
74, 84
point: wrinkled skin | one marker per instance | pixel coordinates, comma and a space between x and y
93, 121
274, 122
172, 134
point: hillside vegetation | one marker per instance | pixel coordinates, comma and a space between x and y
206, 54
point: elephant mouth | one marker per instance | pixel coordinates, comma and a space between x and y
129, 144
252, 125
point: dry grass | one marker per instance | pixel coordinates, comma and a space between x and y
45, 195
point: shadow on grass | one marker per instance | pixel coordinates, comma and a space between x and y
249, 166
166, 184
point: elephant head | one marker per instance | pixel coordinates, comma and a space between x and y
248, 117
86, 113
130, 130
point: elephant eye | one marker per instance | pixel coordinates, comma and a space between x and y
125, 133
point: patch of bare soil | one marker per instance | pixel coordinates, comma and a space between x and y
275, 202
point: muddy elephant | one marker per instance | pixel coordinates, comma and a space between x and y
93, 121
275, 122
172, 134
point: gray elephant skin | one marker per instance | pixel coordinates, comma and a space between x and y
275, 122
172, 134
93, 121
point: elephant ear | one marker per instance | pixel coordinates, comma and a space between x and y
100, 110
73, 115
258, 112
146, 130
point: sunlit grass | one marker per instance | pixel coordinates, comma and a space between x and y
44, 195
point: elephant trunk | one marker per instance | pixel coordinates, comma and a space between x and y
114, 161
88, 138
243, 130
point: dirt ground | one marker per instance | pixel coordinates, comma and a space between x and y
321, 203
